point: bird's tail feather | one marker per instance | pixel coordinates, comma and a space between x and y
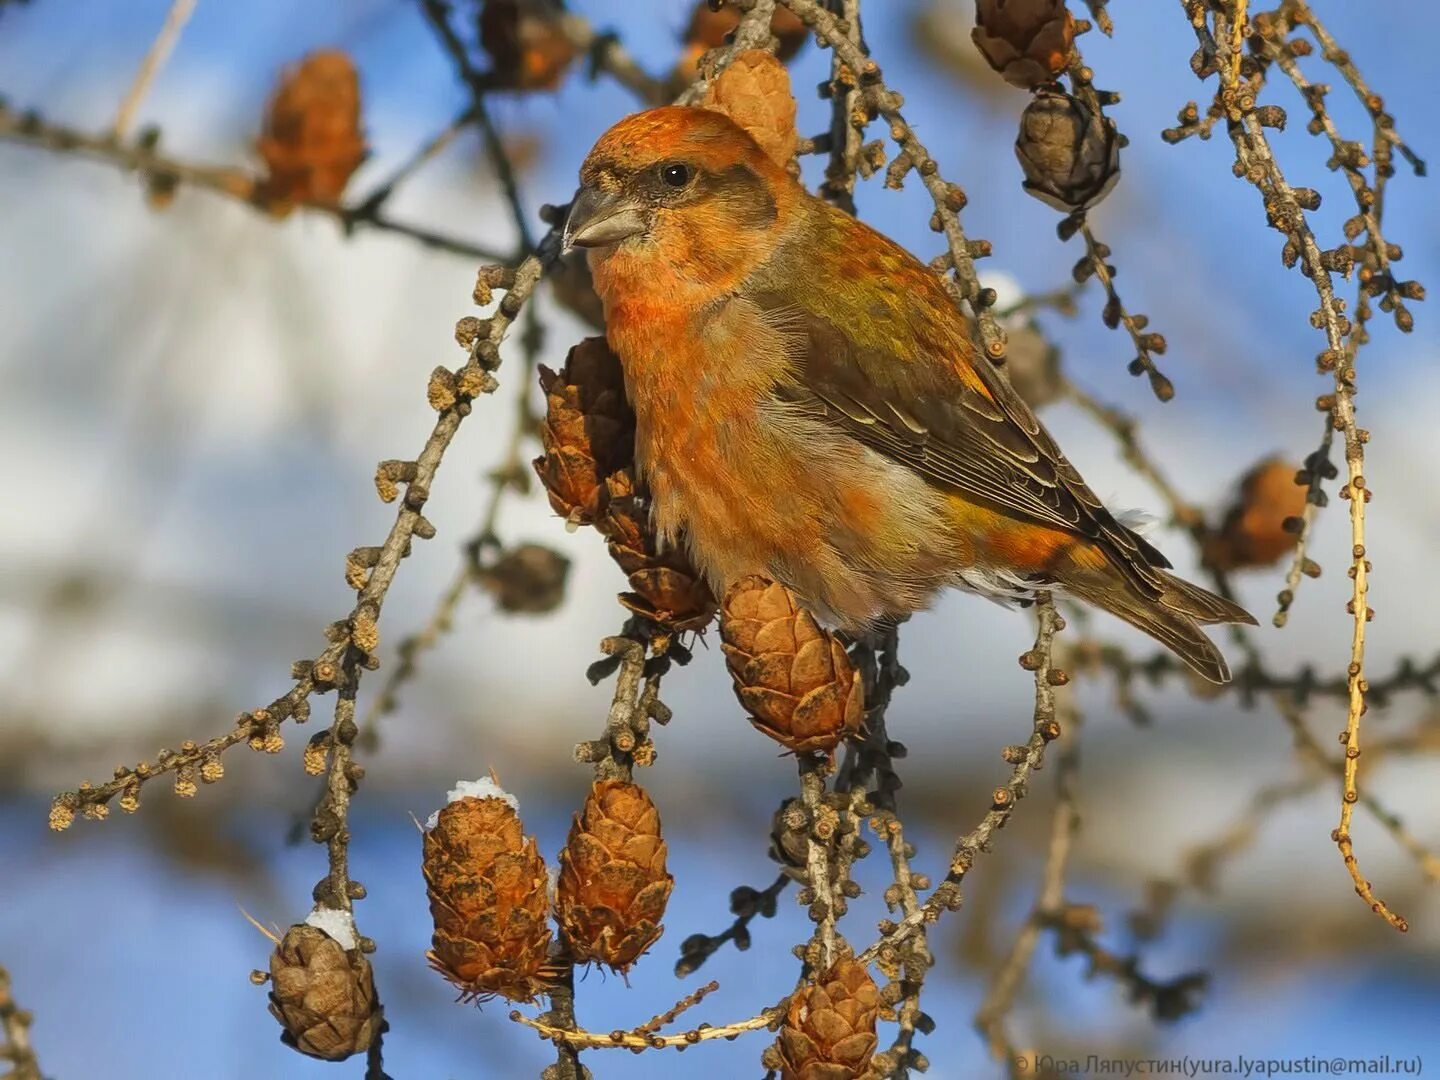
1202, 605
1173, 620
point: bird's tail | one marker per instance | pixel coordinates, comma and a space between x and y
1173, 619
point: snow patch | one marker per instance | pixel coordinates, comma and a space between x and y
484, 788
340, 925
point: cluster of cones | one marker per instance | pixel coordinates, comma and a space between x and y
792, 676
489, 891
1069, 152
492, 902
588, 470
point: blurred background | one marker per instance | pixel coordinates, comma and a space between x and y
195, 397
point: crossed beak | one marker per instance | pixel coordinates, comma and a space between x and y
599, 218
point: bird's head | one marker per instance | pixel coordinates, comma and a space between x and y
684, 185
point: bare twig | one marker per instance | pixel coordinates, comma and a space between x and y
1254, 681
503, 480
1373, 102
1123, 427
1024, 759
846, 135
1391, 822
670, 1015
746, 904
510, 473
608, 55
425, 153
1005, 984
561, 1017
1286, 206
15, 1035
437, 15
1318, 469
334, 667
1114, 314
29, 129
160, 49
641, 1039
1076, 928
1199, 865
1147, 344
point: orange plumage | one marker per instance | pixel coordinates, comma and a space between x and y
810, 407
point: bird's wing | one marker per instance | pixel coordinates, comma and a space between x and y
890, 362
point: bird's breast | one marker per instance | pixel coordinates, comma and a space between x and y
699, 382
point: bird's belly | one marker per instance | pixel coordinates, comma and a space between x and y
855, 535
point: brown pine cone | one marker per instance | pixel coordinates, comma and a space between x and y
1033, 364
789, 840
829, 1028
486, 882
1253, 532
792, 676
526, 47
613, 885
322, 994
312, 140
588, 431
1027, 41
1071, 157
754, 91
667, 588
528, 579
708, 29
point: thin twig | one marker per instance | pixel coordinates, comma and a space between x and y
358, 630
425, 153
1005, 984
746, 904
1374, 104
1124, 428
29, 129
1391, 822
507, 476
846, 136
1199, 865
15, 1035
561, 1017
1253, 681
635, 1039
670, 1015
608, 55
1147, 344
1025, 759
1286, 209
437, 15
160, 49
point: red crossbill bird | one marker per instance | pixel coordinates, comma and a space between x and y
810, 406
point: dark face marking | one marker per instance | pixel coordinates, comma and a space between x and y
677, 184
746, 199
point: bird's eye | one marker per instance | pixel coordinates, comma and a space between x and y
676, 175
